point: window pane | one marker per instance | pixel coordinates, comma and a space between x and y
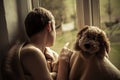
65, 16
110, 22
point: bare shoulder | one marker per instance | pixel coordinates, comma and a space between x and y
30, 50
31, 53
34, 62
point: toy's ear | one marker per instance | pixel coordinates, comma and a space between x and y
76, 45
106, 42
49, 27
106, 54
105, 45
82, 30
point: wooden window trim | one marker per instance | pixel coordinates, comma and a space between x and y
88, 12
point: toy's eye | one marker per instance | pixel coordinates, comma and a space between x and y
87, 46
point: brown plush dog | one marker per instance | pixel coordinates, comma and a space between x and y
90, 62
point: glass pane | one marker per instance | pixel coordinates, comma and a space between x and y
65, 16
110, 22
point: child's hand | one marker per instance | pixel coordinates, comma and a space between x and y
66, 45
65, 50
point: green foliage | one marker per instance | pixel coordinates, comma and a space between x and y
111, 20
115, 12
63, 10
63, 38
115, 54
57, 7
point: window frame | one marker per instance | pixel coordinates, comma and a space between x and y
88, 15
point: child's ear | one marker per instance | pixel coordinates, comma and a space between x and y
49, 27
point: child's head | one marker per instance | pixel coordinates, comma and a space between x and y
36, 20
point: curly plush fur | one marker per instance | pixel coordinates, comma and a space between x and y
91, 63
92, 41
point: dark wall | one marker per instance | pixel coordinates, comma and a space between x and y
12, 15
3, 34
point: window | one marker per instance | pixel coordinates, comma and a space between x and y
110, 22
65, 17
70, 17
